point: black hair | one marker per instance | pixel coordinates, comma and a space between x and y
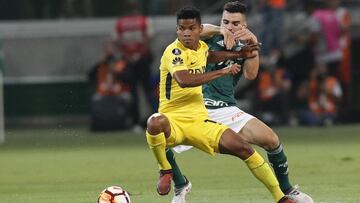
235, 7
188, 13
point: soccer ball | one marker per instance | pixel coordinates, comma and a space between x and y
114, 194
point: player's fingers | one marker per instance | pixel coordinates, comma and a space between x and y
242, 35
238, 35
225, 39
236, 68
234, 72
251, 47
227, 70
229, 42
254, 47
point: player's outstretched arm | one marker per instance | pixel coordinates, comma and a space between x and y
185, 79
248, 51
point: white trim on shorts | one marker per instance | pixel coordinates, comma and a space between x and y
230, 116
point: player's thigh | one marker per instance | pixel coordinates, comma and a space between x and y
176, 133
204, 134
258, 133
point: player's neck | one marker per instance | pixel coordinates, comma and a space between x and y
194, 46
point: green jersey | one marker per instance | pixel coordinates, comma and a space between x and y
220, 92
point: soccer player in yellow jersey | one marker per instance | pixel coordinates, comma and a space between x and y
182, 117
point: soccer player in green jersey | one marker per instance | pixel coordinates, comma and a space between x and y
221, 104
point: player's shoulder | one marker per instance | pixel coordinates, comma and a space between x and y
175, 48
214, 38
203, 45
215, 41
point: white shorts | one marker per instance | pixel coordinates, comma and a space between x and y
231, 116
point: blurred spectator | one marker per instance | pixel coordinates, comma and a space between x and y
133, 33
107, 72
344, 18
299, 48
111, 101
328, 50
273, 90
333, 47
272, 28
323, 94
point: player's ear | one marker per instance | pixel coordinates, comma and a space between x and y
201, 28
178, 30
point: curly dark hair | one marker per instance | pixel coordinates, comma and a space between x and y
188, 13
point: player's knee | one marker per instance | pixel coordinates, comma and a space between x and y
272, 141
231, 143
238, 149
244, 151
154, 125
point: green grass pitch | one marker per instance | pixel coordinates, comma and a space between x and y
72, 165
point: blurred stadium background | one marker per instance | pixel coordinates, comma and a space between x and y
46, 51
50, 46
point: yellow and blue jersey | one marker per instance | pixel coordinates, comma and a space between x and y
184, 102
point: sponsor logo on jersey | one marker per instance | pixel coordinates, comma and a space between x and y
238, 46
177, 61
197, 70
220, 43
176, 51
210, 102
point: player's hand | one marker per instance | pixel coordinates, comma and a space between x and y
251, 47
229, 39
245, 35
232, 69
249, 51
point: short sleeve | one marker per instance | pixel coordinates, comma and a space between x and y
205, 47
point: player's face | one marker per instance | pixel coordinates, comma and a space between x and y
188, 31
233, 21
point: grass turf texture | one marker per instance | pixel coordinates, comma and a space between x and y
73, 166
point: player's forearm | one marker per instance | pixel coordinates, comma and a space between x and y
194, 80
251, 68
219, 56
209, 30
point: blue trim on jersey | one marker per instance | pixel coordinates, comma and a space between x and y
168, 86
